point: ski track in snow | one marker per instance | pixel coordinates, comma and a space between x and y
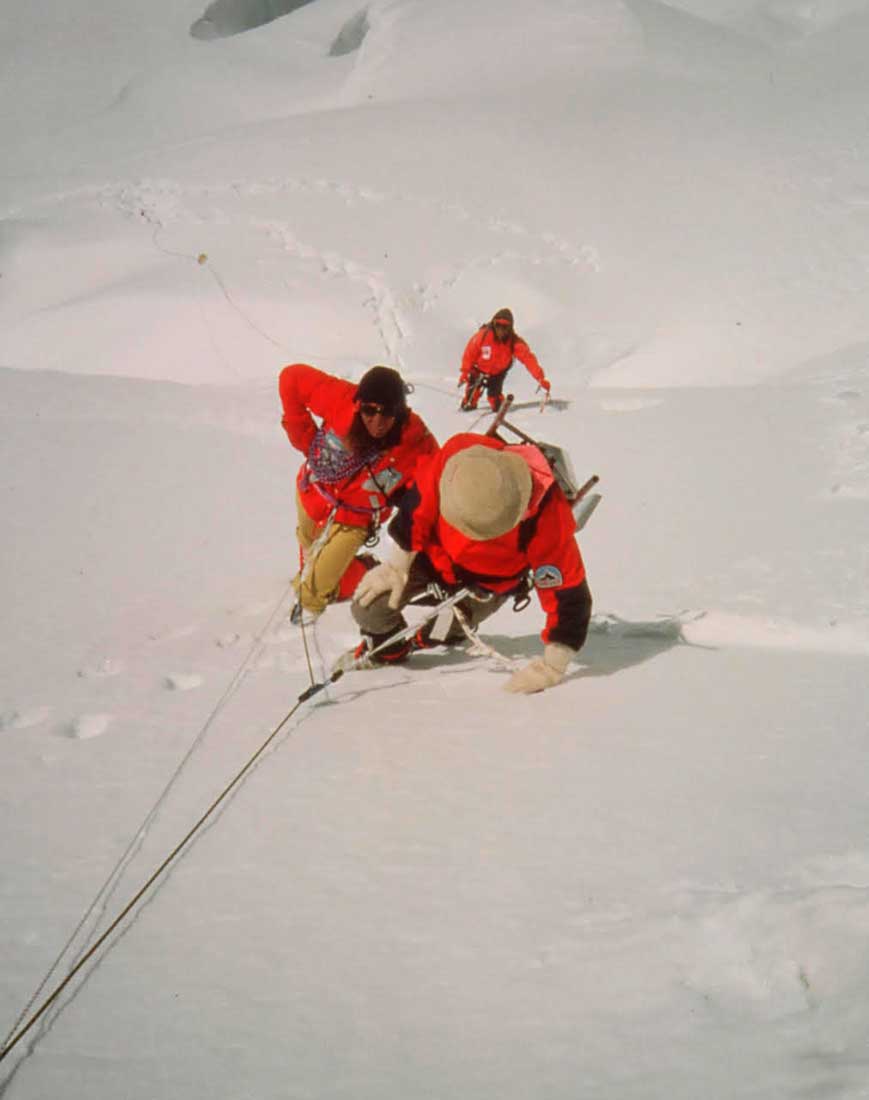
168, 208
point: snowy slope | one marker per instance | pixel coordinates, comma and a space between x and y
651, 881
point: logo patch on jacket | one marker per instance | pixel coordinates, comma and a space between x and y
548, 576
384, 481
485, 352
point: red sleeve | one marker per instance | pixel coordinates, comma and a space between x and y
554, 557
305, 390
472, 354
529, 360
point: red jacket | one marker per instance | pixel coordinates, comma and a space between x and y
363, 496
543, 542
490, 356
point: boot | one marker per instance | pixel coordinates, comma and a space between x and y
471, 398
394, 654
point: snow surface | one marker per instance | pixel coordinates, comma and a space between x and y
651, 882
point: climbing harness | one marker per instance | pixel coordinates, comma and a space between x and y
329, 462
352, 661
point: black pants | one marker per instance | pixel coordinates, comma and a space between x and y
379, 621
493, 384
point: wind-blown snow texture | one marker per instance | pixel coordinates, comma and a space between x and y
652, 881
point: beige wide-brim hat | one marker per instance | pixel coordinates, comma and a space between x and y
484, 493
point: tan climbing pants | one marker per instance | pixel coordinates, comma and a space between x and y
322, 574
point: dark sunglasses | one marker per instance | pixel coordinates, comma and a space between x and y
370, 409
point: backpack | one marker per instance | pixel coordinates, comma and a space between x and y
559, 463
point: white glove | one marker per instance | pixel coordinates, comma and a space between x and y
543, 672
389, 576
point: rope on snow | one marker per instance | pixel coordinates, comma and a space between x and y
106, 891
176, 851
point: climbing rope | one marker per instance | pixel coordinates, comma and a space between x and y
21, 1028
478, 647
309, 560
108, 888
176, 851
305, 646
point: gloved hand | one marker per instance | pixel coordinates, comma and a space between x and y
461, 382
545, 385
389, 576
543, 672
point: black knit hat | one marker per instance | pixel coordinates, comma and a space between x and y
383, 386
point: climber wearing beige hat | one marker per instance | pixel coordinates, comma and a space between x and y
489, 516
484, 492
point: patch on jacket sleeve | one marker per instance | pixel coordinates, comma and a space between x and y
548, 576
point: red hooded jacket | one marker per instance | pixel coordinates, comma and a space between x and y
490, 356
364, 495
543, 542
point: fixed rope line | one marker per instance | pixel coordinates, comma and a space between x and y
481, 648
203, 259
176, 851
310, 560
357, 663
107, 888
305, 645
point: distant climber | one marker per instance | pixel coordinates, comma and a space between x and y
488, 357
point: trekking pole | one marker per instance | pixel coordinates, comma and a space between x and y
399, 636
501, 422
582, 505
583, 489
503, 409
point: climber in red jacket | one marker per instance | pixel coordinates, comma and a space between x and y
488, 357
358, 461
488, 516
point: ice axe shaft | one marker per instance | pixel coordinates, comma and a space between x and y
399, 636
